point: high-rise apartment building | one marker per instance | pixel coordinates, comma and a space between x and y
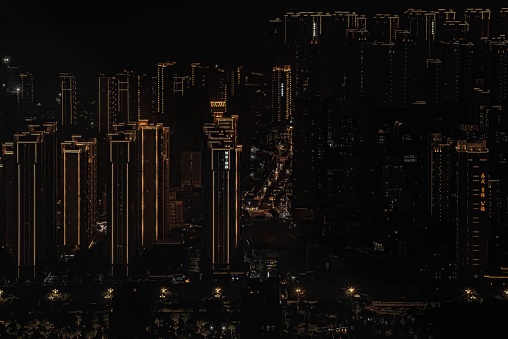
479, 22
499, 48
282, 95
107, 103
165, 76
472, 207
27, 228
441, 176
78, 192
127, 82
384, 27
191, 169
222, 174
51, 176
122, 211
26, 96
139, 190
68, 101
146, 97
153, 172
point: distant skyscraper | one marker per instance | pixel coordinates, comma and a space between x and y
68, 100
165, 76
503, 21
198, 74
191, 169
223, 188
282, 95
309, 145
108, 103
458, 75
443, 15
441, 176
357, 65
499, 48
78, 192
146, 97
384, 27
434, 81
384, 73
479, 23
127, 97
26, 96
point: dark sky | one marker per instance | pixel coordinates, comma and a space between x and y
86, 38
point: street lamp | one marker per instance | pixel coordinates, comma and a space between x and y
298, 291
109, 294
470, 294
351, 290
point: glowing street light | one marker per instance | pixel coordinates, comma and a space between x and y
109, 294
298, 292
217, 292
351, 290
470, 294
164, 293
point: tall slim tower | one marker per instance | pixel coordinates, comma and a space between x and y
282, 94
28, 240
441, 176
153, 160
472, 218
165, 76
223, 188
26, 96
68, 100
122, 211
127, 82
78, 192
107, 103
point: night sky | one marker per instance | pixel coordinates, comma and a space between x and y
88, 38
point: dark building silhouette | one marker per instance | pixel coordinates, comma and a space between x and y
259, 294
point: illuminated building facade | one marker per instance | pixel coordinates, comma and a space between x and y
146, 97
26, 96
51, 176
78, 192
223, 190
479, 22
165, 76
384, 27
153, 159
68, 101
108, 103
127, 82
473, 207
139, 190
282, 95
26, 210
441, 174
122, 211
499, 69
